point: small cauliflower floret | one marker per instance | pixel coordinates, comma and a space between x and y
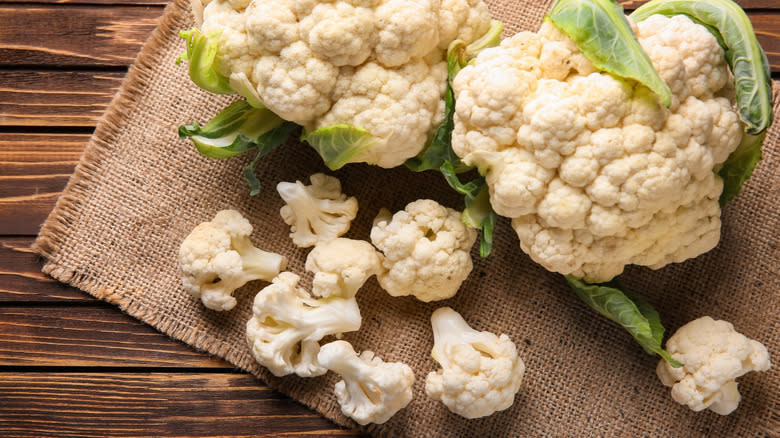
287, 325
218, 257
481, 372
341, 266
372, 390
594, 172
379, 65
714, 355
426, 250
316, 213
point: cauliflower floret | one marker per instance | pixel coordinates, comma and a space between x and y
316, 213
218, 257
395, 104
372, 390
481, 372
595, 173
341, 266
714, 355
377, 64
287, 324
426, 250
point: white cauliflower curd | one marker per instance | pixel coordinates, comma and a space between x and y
318, 212
595, 173
426, 250
287, 325
378, 65
481, 372
341, 266
218, 257
713, 354
372, 390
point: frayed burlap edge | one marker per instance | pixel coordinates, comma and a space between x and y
54, 230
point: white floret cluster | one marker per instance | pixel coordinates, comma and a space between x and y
594, 172
375, 64
426, 250
714, 354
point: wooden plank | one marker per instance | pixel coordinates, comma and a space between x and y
56, 98
74, 35
21, 279
34, 169
92, 2
92, 35
62, 98
93, 336
154, 404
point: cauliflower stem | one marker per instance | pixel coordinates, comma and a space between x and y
204, 67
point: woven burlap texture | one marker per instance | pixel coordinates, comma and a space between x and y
139, 190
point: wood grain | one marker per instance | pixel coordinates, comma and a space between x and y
100, 36
90, 336
55, 98
69, 35
34, 169
104, 3
151, 404
21, 279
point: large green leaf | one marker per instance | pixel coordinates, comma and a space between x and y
233, 131
739, 166
203, 62
338, 144
265, 144
628, 310
603, 35
239, 128
748, 62
439, 149
478, 212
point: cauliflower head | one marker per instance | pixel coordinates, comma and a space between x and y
426, 250
341, 266
287, 325
372, 390
218, 257
714, 355
594, 172
378, 65
481, 372
316, 213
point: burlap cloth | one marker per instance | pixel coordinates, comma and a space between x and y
139, 190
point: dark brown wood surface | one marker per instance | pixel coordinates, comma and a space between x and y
71, 365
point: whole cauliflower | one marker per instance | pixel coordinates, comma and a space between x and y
481, 372
316, 213
341, 266
372, 390
287, 324
378, 65
426, 250
217, 258
714, 355
594, 172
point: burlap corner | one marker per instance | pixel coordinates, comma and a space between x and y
139, 190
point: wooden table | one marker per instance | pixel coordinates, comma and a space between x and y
73, 365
